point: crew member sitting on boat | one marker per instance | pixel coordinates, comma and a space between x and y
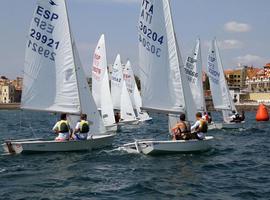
200, 127
82, 128
209, 118
205, 116
235, 117
181, 131
62, 128
117, 117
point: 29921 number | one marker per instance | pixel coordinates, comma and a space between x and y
149, 47
41, 50
44, 39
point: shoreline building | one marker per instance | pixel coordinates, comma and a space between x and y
10, 90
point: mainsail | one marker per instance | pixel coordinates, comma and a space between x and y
54, 79
220, 93
100, 83
116, 82
164, 85
133, 91
193, 69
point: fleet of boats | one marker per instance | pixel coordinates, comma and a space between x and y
54, 81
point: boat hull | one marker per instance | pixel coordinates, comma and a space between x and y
213, 126
35, 146
152, 147
128, 122
112, 128
146, 119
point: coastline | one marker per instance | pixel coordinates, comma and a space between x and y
10, 106
239, 107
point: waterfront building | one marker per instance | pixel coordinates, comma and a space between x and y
10, 90
236, 78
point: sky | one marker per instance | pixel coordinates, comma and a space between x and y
240, 26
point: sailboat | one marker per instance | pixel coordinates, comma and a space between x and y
101, 87
193, 70
220, 93
164, 85
134, 93
54, 81
120, 96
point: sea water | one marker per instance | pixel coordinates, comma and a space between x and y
238, 167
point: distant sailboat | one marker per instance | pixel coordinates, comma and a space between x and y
100, 85
120, 96
164, 85
219, 89
134, 93
54, 81
193, 70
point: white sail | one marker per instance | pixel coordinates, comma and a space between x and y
193, 69
50, 82
134, 93
100, 83
54, 79
130, 81
160, 61
127, 112
218, 85
87, 102
116, 82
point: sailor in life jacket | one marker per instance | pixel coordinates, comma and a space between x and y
181, 129
200, 127
62, 128
82, 128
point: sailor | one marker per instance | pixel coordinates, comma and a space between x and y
82, 128
235, 117
209, 118
117, 117
200, 127
242, 117
62, 128
181, 130
205, 116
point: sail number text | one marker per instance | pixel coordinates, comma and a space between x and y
148, 46
44, 39
150, 34
40, 50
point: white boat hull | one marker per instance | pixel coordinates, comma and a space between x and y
128, 122
150, 147
233, 125
35, 146
112, 128
145, 119
213, 126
